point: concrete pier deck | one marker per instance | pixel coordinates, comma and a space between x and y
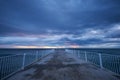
63, 66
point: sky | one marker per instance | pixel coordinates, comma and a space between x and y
59, 23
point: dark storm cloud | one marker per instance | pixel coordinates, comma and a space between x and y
59, 14
79, 22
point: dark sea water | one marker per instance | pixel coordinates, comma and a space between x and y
112, 51
7, 52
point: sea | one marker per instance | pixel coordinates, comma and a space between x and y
8, 52
112, 51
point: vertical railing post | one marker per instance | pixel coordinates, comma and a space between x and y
100, 59
86, 56
36, 55
73, 51
23, 63
42, 53
78, 54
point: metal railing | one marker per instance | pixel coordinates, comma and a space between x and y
11, 64
107, 61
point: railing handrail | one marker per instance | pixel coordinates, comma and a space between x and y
9, 56
23, 60
106, 61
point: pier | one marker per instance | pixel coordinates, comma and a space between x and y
63, 65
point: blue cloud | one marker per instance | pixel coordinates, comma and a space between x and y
61, 22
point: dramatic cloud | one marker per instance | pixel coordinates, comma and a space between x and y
55, 23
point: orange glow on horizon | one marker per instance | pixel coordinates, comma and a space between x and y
71, 46
25, 47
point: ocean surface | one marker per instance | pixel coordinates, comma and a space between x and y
7, 52
112, 51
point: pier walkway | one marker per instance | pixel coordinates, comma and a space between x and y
61, 65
